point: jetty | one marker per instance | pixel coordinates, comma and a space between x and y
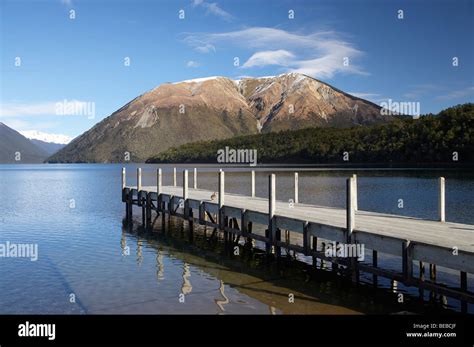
420, 244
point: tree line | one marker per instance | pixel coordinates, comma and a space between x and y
447, 137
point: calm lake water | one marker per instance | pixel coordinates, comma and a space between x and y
74, 214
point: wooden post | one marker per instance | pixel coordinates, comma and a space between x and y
350, 223
124, 178
374, 264
314, 249
174, 177
441, 200
253, 183
143, 203
350, 212
185, 194
130, 207
306, 239
159, 182
356, 205
464, 289
148, 210
407, 260
221, 198
296, 187
243, 223
195, 181
271, 211
422, 278
185, 185
139, 178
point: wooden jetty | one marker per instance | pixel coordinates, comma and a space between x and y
416, 241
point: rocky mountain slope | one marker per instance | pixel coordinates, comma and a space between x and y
216, 108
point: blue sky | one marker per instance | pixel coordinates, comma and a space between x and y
83, 59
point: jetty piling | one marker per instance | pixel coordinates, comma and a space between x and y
411, 239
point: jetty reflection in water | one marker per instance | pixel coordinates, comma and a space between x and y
214, 282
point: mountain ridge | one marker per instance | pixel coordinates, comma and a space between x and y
213, 108
16, 148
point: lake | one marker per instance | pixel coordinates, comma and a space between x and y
74, 214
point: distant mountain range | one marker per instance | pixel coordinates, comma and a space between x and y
216, 108
51, 143
17, 148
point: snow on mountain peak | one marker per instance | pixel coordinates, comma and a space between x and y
52, 138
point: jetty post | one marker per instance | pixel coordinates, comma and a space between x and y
356, 204
185, 194
350, 222
221, 199
296, 188
253, 184
441, 200
272, 230
195, 178
139, 178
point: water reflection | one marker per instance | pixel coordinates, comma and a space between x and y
160, 273
221, 303
248, 284
186, 287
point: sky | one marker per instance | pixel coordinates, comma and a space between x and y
100, 54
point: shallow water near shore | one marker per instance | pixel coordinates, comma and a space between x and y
89, 262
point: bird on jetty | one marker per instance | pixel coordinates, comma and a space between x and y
214, 196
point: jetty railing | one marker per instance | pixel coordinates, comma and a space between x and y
429, 242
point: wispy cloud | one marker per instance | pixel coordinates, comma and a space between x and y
214, 9
47, 108
373, 97
364, 95
192, 63
263, 58
27, 109
66, 2
457, 94
319, 54
21, 124
418, 90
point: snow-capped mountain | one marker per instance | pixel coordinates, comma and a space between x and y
46, 137
213, 108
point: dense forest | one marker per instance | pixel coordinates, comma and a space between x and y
445, 138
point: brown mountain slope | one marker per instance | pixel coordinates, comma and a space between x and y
295, 101
215, 108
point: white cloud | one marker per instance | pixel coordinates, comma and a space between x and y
263, 58
214, 9
206, 48
457, 94
49, 108
22, 109
364, 95
320, 54
192, 63
66, 2
416, 91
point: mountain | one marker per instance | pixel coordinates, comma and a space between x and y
13, 145
50, 143
425, 142
216, 108
48, 147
